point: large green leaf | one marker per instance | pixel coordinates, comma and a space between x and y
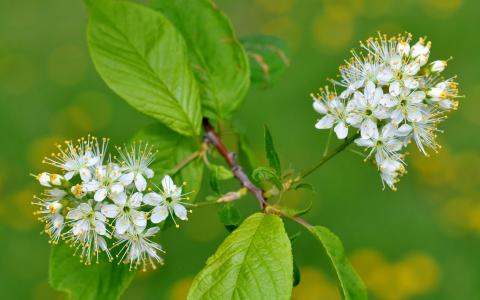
105, 280
173, 148
351, 285
268, 58
254, 262
218, 59
143, 58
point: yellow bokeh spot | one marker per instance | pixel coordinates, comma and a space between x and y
441, 9
179, 289
315, 286
379, 8
18, 73
67, 65
88, 112
276, 6
286, 28
344, 11
462, 214
43, 147
18, 210
414, 275
333, 29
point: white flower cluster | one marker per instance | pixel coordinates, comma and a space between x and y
103, 204
391, 95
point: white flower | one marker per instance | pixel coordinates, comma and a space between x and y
384, 146
50, 212
364, 110
168, 201
137, 248
390, 170
79, 158
403, 98
334, 111
124, 212
424, 132
408, 107
87, 231
106, 182
135, 163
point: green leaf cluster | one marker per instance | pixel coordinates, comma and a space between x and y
179, 62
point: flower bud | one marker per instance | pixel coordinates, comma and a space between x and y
403, 48
44, 179
438, 66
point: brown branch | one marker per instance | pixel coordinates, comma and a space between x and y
212, 137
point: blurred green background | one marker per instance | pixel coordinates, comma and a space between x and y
421, 242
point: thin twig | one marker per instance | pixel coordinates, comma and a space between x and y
326, 158
230, 158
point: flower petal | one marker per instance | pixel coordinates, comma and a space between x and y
168, 184
126, 179
180, 211
341, 130
325, 122
139, 217
159, 213
100, 195
140, 182
110, 210
153, 199
122, 225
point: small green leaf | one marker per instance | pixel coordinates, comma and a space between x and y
221, 172
143, 58
172, 149
214, 183
229, 214
296, 273
105, 280
253, 262
293, 238
217, 57
272, 155
268, 58
246, 158
351, 285
262, 174
305, 186
296, 212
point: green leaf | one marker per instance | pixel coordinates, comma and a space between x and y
262, 174
214, 184
351, 285
221, 172
246, 158
272, 155
305, 186
217, 57
296, 212
143, 58
253, 262
229, 215
268, 58
296, 273
172, 149
105, 280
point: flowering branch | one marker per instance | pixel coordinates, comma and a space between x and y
212, 137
